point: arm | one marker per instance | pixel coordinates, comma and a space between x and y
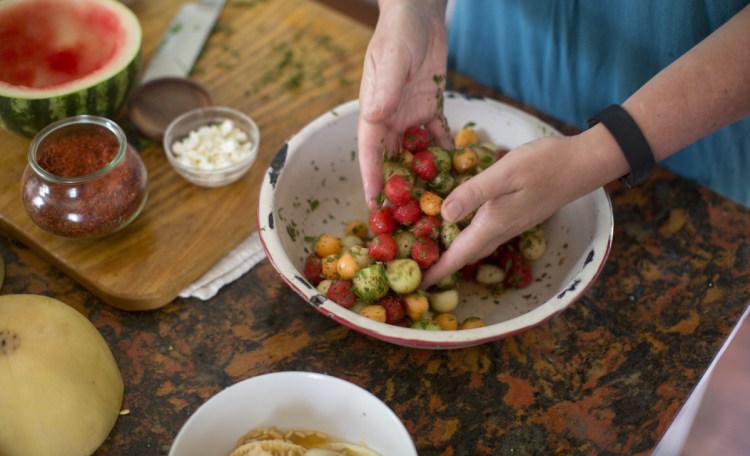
704, 90
398, 88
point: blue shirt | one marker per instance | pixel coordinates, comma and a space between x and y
572, 58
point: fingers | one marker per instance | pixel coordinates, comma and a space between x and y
440, 132
471, 245
382, 82
372, 140
470, 195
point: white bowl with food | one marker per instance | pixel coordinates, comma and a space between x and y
293, 413
212, 146
313, 187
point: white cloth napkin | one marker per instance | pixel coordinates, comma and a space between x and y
237, 262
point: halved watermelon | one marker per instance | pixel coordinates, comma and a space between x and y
62, 58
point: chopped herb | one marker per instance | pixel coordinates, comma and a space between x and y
295, 81
223, 27
291, 229
247, 3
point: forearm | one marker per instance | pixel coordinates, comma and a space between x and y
702, 91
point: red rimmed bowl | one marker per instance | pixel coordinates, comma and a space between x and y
313, 186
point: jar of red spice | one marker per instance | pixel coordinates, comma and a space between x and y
83, 179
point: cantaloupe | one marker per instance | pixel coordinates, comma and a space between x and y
61, 390
61, 58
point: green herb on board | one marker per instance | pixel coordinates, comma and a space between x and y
295, 81
223, 27
297, 64
247, 3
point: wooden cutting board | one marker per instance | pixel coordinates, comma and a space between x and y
281, 62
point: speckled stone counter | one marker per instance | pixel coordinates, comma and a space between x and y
606, 376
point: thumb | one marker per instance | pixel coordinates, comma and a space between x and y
473, 193
471, 244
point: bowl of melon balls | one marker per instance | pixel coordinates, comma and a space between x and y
364, 268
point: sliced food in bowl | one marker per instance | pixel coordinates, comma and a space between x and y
313, 187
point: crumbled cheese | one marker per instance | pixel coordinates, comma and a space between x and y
213, 146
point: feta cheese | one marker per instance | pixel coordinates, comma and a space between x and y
213, 146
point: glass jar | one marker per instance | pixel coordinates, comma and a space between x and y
83, 179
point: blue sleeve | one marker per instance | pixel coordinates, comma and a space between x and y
572, 58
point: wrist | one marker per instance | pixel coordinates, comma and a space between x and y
602, 159
630, 140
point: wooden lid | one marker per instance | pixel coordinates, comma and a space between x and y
156, 103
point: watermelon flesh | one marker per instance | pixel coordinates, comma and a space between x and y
63, 58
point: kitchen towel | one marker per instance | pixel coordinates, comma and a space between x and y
237, 262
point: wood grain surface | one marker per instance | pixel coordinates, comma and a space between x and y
281, 65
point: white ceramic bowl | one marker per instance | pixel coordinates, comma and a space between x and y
182, 126
313, 187
288, 401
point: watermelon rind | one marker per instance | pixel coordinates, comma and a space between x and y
26, 111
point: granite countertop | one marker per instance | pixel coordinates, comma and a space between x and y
606, 376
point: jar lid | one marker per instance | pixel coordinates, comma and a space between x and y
155, 104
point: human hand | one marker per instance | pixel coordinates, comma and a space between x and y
402, 85
520, 190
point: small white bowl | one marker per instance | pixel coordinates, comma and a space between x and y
313, 186
293, 401
181, 127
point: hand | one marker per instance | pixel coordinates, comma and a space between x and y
402, 85
520, 190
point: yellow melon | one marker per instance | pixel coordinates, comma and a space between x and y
60, 387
